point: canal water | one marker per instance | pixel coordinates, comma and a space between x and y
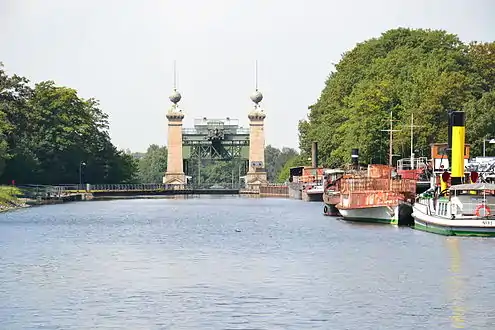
234, 263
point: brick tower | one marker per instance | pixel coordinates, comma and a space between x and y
256, 175
175, 168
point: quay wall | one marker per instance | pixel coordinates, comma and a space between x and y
295, 190
274, 191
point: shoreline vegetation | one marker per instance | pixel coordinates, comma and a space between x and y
402, 73
9, 199
49, 135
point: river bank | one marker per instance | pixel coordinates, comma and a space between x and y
11, 202
9, 199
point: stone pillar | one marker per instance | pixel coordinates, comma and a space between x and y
175, 168
256, 175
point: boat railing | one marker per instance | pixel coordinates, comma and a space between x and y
477, 209
406, 163
473, 205
369, 184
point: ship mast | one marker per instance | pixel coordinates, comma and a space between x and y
412, 138
391, 148
391, 137
412, 126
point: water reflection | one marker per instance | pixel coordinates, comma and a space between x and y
456, 284
234, 263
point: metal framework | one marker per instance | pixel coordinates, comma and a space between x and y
217, 150
215, 140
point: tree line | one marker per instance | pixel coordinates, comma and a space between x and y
404, 72
153, 163
48, 134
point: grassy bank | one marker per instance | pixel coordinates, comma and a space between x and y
9, 198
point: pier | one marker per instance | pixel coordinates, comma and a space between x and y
90, 191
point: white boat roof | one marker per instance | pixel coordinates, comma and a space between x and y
473, 186
333, 170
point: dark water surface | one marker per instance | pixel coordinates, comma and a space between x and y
234, 263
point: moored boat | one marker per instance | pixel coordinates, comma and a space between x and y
311, 178
465, 210
304, 178
331, 193
376, 197
417, 169
313, 192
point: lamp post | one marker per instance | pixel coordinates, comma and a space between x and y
81, 164
491, 141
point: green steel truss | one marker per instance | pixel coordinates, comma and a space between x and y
215, 140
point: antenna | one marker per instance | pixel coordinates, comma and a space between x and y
256, 75
175, 76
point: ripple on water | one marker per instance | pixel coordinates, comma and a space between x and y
233, 263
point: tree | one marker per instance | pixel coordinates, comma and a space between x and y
295, 161
275, 159
482, 58
271, 156
403, 72
479, 120
13, 113
152, 165
48, 131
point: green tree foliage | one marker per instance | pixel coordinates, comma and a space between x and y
223, 173
48, 131
298, 160
14, 94
275, 160
405, 71
152, 164
8, 196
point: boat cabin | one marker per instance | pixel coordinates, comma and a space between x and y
332, 175
473, 200
439, 156
306, 174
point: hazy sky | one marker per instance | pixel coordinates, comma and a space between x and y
122, 53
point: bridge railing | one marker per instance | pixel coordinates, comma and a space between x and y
49, 191
40, 191
123, 187
190, 131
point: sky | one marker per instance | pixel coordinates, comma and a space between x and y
122, 53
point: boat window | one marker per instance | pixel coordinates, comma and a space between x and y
474, 192
442, 209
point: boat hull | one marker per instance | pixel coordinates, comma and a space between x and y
312, 196
376, 214
457, 227
330, 210
331, 199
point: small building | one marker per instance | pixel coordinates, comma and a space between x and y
440, 159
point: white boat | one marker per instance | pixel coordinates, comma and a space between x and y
376, 197
331, 192
378, 214
313, 193
467, 210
